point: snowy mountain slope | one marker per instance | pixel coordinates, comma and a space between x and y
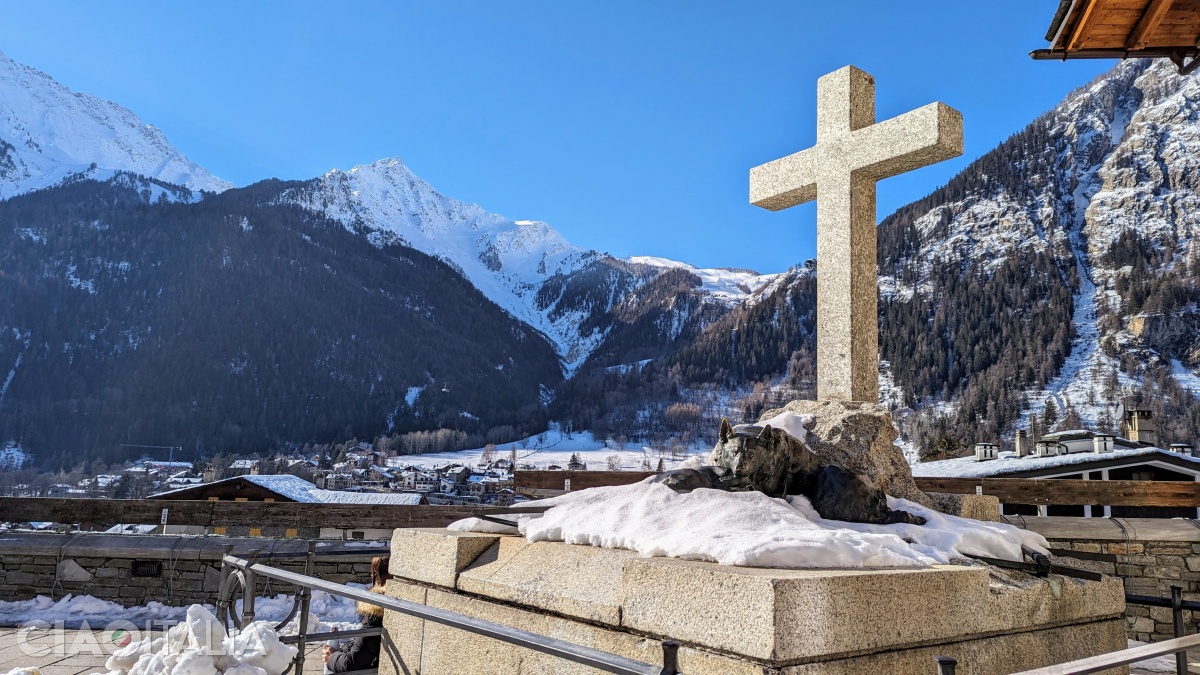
732, 286
508, 260
525, 267
48, 134
1106, 186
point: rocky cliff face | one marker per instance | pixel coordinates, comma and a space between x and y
1100, 191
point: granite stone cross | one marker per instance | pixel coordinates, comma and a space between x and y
840, 172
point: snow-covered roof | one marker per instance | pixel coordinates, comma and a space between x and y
243, 464
157, 464
129, 528
1068, 433
1008, 463
300, 490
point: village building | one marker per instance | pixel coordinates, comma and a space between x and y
242, 467
1080, 454
288, 488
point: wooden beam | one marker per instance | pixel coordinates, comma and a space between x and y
1086, 12
1070, 492
1155, 12
228, 513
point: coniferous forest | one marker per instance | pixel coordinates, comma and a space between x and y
233, 325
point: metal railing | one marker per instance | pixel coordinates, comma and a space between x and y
244, 573
1094, 664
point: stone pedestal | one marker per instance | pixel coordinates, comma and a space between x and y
733, 619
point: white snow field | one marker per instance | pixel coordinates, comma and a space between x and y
74, 611
555, 447
727, 285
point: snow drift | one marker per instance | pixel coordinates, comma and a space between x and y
754, 530
200, 646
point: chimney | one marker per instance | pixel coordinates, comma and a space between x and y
1102, 443
985, 451
1050, 449
1139, 426
1021, 443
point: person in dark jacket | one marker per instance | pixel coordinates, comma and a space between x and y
362, 652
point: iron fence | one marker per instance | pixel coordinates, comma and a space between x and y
1178, 645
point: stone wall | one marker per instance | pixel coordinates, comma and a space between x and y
1149, 554
121, 568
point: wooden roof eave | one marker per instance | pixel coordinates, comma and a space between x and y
1186, 60
1072, 33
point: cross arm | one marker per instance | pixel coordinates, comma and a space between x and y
924, 136
785, 182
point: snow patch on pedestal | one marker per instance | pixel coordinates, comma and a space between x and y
793, 424
753, 530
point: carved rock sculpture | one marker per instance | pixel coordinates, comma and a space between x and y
752, 457
860, 438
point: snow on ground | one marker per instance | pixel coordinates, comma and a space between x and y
200, 646
1078, 382
891, 395
1187, 379
754, 530
12, 457
555, 447
912, 454
55, 133
75, 610
507, 260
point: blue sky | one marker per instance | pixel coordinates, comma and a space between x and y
629, 126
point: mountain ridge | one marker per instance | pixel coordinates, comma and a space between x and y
49, 134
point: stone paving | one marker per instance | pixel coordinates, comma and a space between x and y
78, 652
65, 652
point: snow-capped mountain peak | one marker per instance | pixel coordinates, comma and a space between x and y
49, 133
508, 260
524, 266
